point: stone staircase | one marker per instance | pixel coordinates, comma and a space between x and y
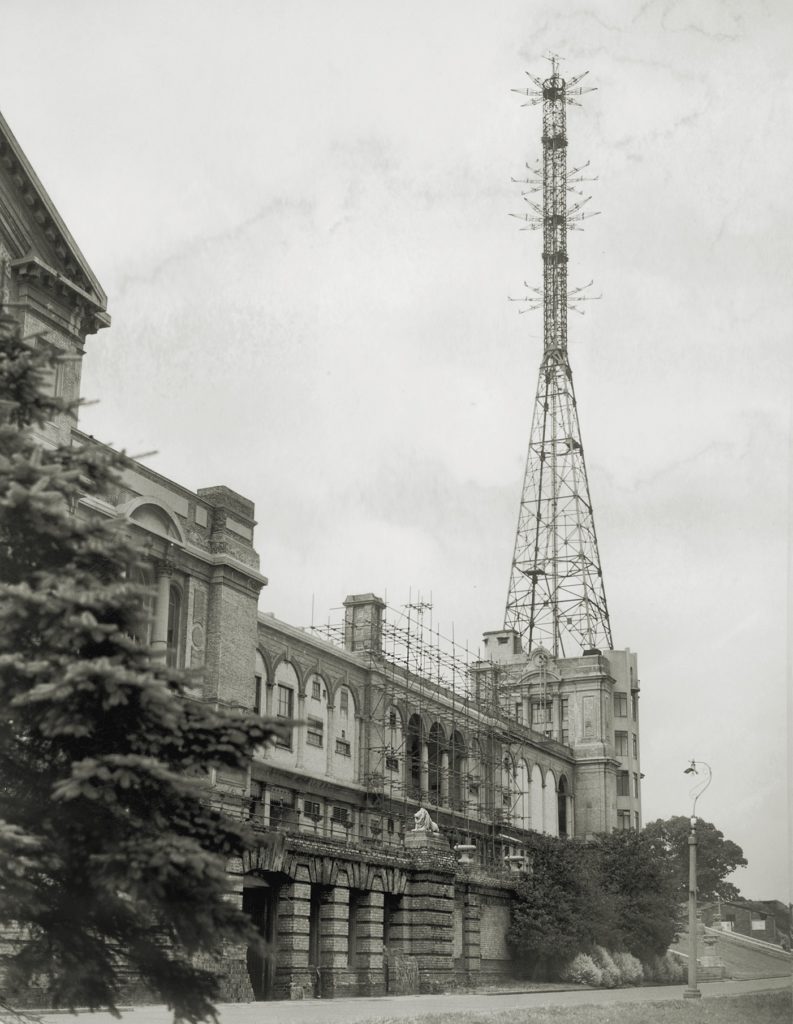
722, 955
746, 958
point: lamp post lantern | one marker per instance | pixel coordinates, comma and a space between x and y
692, 992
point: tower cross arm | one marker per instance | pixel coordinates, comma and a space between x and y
578, 92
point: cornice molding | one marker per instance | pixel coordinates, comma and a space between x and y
33, 268
34, 196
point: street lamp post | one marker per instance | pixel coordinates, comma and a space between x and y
692, 992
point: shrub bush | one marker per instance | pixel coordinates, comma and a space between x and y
676, 967
664, 970
630, 968
582, 970
610, 973
611, 970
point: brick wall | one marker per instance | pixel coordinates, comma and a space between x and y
494, 922
230, 637
457, 945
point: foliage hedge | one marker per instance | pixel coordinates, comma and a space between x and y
587, 897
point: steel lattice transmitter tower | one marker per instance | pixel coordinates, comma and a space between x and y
556, 596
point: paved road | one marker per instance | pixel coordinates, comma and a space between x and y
350, 1011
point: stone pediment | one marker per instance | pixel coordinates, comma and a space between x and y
34, 234
539, 663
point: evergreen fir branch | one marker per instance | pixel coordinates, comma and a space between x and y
113, 846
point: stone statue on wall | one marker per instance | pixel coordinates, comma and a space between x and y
423, 821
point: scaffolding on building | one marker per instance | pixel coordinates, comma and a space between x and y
435, 706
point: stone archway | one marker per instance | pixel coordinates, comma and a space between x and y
536, 793
564, 802
550, 806
521, 805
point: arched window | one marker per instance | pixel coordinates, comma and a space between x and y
143, 577
259, 683
413, 742
174, 635
520, 804
285, 690
316, 689
345, 730
393, 739
537, 817
436, 746
562, 803
475, 787
457, 769
316, 713
550, 806
507, 781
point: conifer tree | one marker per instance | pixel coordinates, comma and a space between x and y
112, 855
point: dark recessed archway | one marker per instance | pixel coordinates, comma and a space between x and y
260, 891
562, 798
413, 740
457, 753
436, 747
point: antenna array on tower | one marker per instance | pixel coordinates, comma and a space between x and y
556, 597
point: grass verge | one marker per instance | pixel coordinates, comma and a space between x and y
752, 1008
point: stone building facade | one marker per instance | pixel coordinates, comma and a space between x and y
347, 897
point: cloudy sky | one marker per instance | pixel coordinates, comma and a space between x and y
299, 213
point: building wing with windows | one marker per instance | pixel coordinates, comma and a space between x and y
385, 717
